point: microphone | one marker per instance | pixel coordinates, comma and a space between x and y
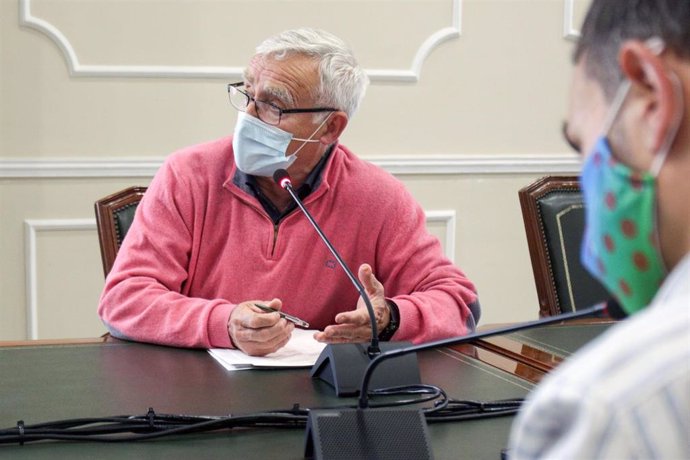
342, 365
282, 178
406, 424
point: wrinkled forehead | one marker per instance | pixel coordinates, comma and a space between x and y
292, 79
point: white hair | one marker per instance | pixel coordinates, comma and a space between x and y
342, 81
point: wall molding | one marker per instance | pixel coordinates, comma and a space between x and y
479, 164
96, 167
31, 228
446, 217
77, 69
570, 31
89, 167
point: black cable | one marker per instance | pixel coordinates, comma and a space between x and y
458, 410
27, 433
127, 428
432, 391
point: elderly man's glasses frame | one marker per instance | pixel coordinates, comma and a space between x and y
266, 111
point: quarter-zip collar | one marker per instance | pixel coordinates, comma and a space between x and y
248, 184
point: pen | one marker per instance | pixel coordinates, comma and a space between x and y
292, 319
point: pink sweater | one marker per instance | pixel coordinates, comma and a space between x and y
199, 245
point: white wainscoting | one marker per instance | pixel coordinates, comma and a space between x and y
31, 228
447, 218
570, 32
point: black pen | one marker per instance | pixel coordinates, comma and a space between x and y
292, 319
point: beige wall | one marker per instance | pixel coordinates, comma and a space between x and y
465, 107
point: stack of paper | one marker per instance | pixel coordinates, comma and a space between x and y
301, 351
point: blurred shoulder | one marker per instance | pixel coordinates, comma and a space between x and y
634, 357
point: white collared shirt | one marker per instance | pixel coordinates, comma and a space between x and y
625, 395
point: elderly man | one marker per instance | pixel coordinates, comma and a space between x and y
627, 395
214, 235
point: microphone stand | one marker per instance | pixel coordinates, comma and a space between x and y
374, 349
363, 395
342, 365
384, 433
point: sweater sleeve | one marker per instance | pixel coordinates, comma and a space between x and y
144, 296
434, 297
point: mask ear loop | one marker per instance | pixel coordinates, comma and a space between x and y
616, 105
660, 158
309, 139
656, 45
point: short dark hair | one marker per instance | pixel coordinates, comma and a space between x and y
611, 22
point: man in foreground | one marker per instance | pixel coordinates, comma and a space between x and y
627, 394
214, 235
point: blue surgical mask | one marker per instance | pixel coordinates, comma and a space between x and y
260, 149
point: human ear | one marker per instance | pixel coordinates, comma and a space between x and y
655, 89
334, 127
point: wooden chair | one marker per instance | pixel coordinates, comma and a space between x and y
114, 216
554, 216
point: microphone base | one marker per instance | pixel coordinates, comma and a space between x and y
342, 366
367, 433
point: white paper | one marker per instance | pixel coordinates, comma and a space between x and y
302, 350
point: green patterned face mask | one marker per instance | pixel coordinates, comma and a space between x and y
620, 247
621, 243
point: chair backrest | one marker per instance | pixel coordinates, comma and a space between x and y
114, 216
554, 216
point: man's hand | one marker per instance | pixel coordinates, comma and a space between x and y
256, 332
355, 326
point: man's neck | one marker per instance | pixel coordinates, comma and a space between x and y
299, 174
274, 193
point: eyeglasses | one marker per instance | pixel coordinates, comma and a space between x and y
266, 111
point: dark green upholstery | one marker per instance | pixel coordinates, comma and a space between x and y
563, 217
554, 217
123, 218
114, 217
